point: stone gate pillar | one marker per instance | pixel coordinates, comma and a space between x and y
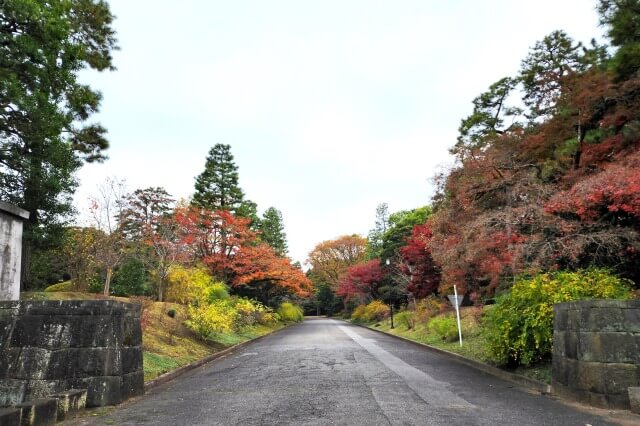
596, 356
11, 221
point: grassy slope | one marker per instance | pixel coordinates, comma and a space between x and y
473, 344
167, 343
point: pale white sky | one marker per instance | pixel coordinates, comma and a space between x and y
330, 107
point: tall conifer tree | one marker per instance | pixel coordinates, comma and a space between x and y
217, 186
272, 231
45, 133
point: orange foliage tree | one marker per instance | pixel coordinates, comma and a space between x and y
261, 274
330, 259
232, 252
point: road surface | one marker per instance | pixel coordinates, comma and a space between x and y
325, 372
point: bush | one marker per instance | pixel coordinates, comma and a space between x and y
64, 286
95, 284
193, 286
130, 279
444, 327
209, 320
251, 312
217, 291
408, 318
376, 311
519, 327
268, 317
290, 313
358, 313
427, 308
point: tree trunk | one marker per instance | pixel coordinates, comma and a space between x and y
25, 267
107, 281
160, 289
578, 153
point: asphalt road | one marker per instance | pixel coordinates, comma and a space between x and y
325, 372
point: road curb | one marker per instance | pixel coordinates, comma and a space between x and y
538, 386
170, 375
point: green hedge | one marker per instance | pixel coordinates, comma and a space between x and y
519, 327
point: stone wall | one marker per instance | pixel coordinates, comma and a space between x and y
48, 347
596, 351
11, 218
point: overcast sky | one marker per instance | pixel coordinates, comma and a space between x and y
330, 107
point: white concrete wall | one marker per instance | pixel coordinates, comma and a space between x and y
11, 219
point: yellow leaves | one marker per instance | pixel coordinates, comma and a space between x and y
374, 311
189, 285
290, 312
218, 317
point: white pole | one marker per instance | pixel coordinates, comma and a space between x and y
455, 292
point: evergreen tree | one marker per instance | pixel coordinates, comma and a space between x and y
272, 231
249, 210
544, 69
44, 135
217, 186
622, 19
374, 239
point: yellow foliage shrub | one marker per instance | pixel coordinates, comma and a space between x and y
192, 285
215, 318
290, 312
358, 313
376, 311
251, 312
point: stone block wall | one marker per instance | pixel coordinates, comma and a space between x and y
48, 347
596, 351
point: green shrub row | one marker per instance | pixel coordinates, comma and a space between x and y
519, 327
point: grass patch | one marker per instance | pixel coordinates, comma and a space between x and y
540, 371
156, 364
247, 333
59, 295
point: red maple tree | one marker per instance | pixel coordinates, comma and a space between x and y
360, 281
418, 264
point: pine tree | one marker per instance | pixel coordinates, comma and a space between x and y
622, 20
217, 186
272, 231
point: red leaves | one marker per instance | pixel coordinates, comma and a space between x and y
224, 243
418, 264
212, 237
259, 263
361, 280
615, 190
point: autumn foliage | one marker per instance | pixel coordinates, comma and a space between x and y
232, 252
330, 259
418, 264
560, 190
360, 281
613, 195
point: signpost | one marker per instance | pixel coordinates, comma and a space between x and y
457, 301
